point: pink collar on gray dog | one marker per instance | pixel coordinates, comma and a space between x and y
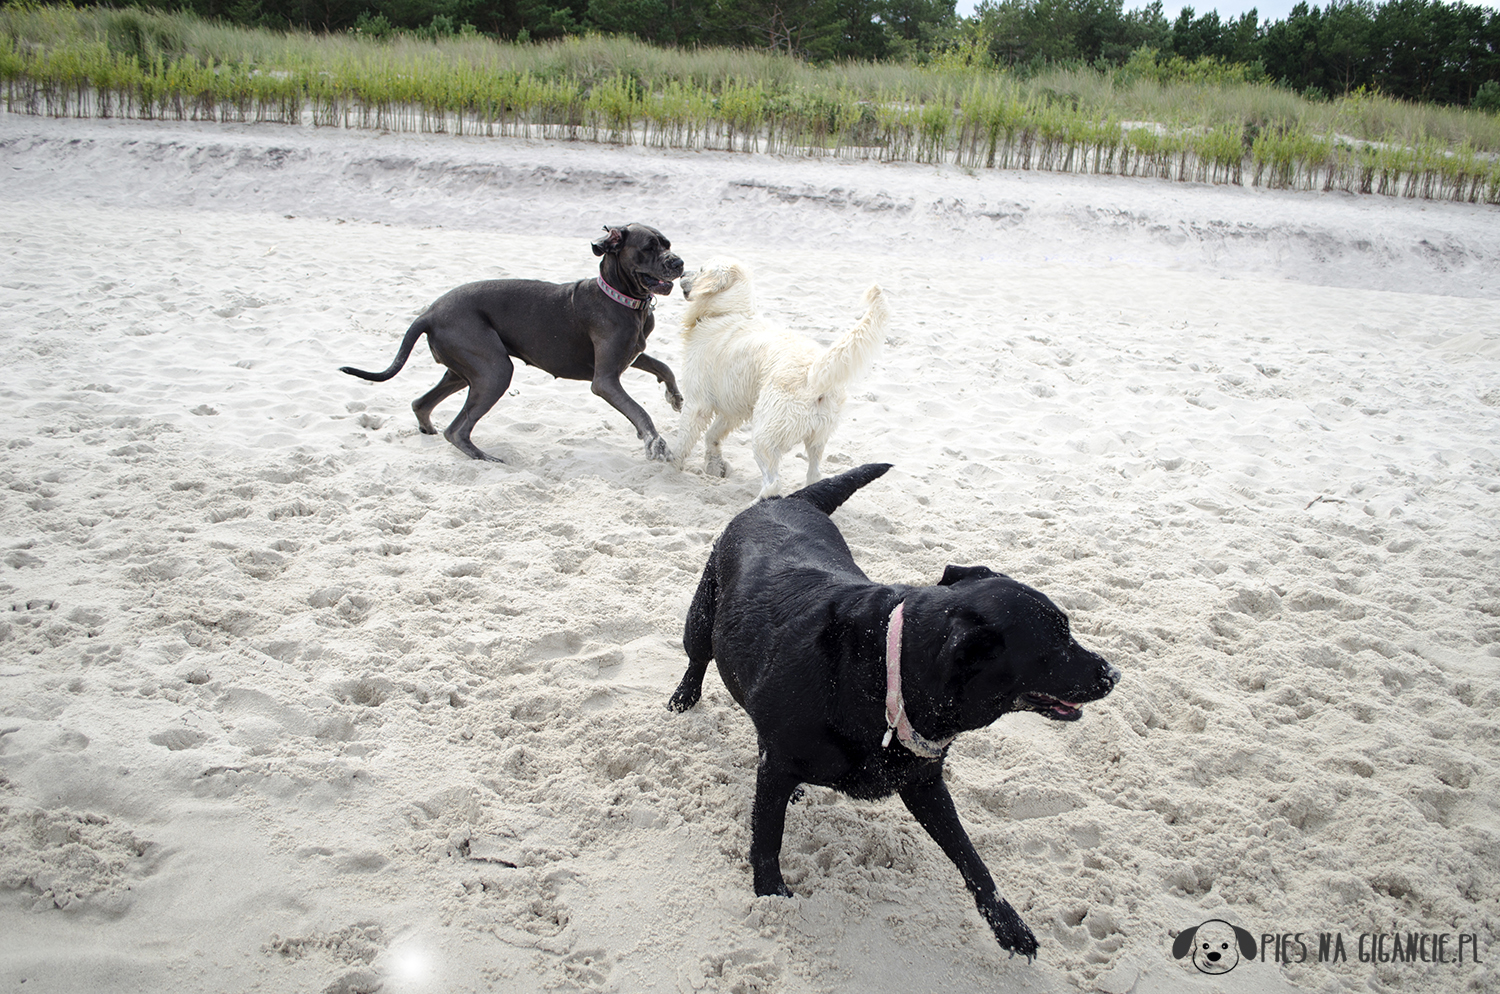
895, 708
633, 303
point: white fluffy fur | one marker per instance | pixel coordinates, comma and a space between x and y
738, 367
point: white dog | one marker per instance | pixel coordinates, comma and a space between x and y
737, 367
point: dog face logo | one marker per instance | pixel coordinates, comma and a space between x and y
1216, 946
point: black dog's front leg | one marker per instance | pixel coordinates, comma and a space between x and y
659, 369
932, 805
773, 791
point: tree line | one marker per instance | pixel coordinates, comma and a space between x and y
1409, 49
1421, 50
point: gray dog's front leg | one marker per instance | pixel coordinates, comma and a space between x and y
659, 369
609, 388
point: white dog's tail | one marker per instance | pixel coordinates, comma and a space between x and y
856, 350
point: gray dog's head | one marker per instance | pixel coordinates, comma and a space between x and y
637, 259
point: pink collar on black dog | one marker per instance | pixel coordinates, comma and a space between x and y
634, 303
895, 708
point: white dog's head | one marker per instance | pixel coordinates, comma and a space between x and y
721, 287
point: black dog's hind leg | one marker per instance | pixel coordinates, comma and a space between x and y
659, 369
450, 384
698, 640
774, 788
932, 805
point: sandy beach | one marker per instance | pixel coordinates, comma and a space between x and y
294, 698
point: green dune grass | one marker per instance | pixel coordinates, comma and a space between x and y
1201, 123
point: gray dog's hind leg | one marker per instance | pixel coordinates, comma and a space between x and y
487, 384
659, 369
450, 384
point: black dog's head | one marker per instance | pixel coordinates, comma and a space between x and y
637, 259
1007, 647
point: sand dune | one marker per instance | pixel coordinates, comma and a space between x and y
295, 698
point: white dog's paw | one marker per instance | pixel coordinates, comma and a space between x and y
715, 466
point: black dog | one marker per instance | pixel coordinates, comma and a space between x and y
805, 643
590, 330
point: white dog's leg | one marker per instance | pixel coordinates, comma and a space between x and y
768, 458
713, 454
694, 421
814, 447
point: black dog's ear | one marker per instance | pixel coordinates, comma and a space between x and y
1246, 941
958, 574
1184, 942
611, 240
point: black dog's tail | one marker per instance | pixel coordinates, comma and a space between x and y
827, 495
418, 328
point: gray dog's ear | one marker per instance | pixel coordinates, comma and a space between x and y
1184, 942
611, 240
958, 574
1246, 941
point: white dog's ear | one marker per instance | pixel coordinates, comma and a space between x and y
717, 277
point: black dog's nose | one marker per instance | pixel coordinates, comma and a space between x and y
1111, 673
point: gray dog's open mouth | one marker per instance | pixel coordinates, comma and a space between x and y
1051, 707
659, 287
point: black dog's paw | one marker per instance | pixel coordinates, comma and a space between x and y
1010, 931
770, 884
684, 698
675, 399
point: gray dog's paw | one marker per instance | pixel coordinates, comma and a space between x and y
656, 448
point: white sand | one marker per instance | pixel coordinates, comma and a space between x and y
286, 687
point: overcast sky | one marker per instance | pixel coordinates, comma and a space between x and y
1269, 10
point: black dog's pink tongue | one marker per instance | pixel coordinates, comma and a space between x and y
661, 288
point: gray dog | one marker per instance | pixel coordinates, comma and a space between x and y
589, 330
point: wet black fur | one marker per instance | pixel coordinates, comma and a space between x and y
799, 631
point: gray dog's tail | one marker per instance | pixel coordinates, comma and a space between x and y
827, 494
418, 328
